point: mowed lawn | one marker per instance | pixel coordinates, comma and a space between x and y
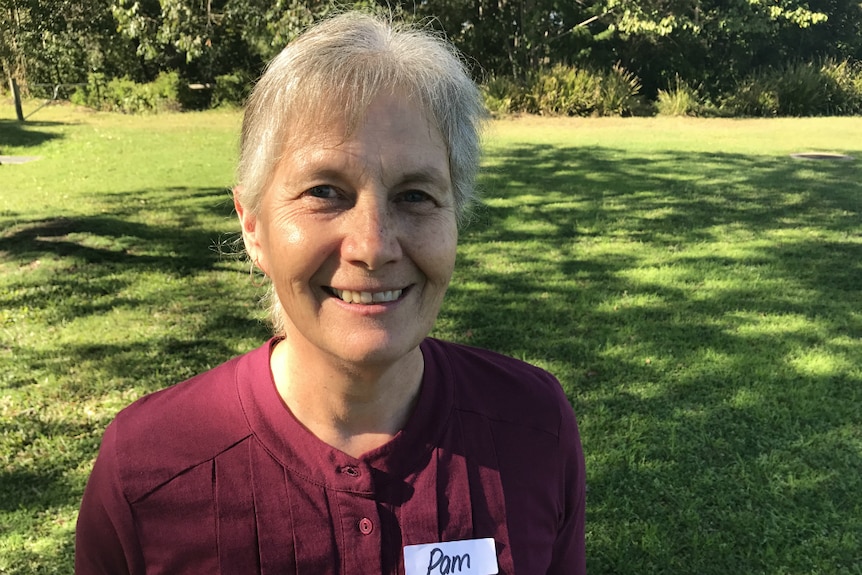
697, 291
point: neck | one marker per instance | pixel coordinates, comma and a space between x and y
351, 408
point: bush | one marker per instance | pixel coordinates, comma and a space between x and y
90, 95
566, 90
804, 89
619, 92
847, 78
231, 89
680, 99
129, 97
751, 97
502, 95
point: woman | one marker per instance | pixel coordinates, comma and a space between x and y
351, 442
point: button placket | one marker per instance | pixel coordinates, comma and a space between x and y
361, 529
350, 471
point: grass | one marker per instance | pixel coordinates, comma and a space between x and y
696, 291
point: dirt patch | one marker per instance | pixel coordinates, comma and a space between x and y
820, 156
18, 159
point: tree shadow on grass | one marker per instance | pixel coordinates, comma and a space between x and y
152, 254
719, 422
182, 239
95, 265
108, 239
719, 409
15, 134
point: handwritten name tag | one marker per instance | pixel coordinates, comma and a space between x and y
467, 557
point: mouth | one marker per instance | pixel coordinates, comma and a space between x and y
364, 297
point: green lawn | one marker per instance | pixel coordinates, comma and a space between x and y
697, 291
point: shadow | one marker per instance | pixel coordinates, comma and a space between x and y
701, 310
717, 388
117, 236
15, 134
154, 254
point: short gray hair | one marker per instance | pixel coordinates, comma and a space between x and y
338, 67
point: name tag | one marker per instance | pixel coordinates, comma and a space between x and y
467, 557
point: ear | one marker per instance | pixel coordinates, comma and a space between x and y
250, 229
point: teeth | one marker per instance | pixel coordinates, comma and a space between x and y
365, 297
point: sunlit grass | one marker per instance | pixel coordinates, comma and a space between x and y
695, 289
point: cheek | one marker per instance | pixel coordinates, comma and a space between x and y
288, 246
440, 253
287, 228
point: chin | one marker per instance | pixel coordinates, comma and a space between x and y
377, 349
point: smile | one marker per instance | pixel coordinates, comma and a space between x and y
364, 297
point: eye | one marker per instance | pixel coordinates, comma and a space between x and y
323, 192
414, 196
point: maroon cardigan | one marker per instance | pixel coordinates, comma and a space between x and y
215, 475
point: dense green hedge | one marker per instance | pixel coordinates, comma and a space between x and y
569, 91
168, 92
129, 97
831, 88
805, 89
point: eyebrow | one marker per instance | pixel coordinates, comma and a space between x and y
426, 175
423, 175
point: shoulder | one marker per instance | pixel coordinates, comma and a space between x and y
168, 432
502, 388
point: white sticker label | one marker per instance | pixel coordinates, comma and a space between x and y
467, 557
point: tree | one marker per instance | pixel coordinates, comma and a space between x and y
709, 41
205, 38
58, 41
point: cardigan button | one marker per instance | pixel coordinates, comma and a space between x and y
366, 526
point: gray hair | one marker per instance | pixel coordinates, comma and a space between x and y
338, 67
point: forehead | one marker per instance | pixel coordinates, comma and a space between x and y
392, 130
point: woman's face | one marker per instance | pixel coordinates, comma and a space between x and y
358, 234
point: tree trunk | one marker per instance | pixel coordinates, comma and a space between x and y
16, 96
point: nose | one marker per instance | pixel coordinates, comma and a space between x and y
371, 235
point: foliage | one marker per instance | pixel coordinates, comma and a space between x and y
231, 89
59, 41
129, 97
716, 42
680, 99
695, 290
804, 89
565, 90
713, 44
619, 90
568, 91
846, 76
501, 94
208, 39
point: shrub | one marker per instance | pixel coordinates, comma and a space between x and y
129, 97
804, 89
619, 92
567, 90
679, 99
751, 97
90, 95
231, 89
501, 94
847, 78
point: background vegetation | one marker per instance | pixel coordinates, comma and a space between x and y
733, 57
695, 289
